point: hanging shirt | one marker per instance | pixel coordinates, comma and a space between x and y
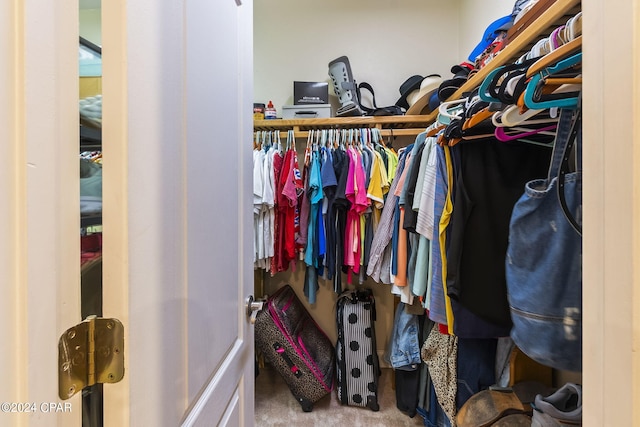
315, 198
444, 223
356, 193
341, 206
329, 184
392, 160
276, 261
356, 190
269, 203
379, 260
258, 244
399, 238
375, 187
424, 162
426, 220
291, 189
328, 176
304, 208
410, 216
437, 310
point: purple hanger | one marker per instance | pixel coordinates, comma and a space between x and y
501, 135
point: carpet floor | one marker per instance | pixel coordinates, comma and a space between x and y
275, 406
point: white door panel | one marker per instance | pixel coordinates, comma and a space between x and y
177, 178
213, 191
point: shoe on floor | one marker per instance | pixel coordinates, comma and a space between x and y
488, 406
562, 408
513, 420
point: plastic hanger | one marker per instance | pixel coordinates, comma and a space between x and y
483, 90
501, 134
446, 112
263, 140
434, 129
278, 143
291, 140
488, 90
511, 116
567, 50
477, 118
563, 102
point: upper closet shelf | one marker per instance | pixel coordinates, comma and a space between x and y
554, 16
388, 125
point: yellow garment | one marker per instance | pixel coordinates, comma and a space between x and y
374, 192
384, 179
444, 223
392, 163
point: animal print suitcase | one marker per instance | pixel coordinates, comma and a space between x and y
357, 365
296, 347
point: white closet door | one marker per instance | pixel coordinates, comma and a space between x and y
177, 96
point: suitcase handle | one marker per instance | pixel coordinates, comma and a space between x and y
294, 369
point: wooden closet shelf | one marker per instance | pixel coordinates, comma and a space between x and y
388, 125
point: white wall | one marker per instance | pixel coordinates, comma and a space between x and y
386, 42
90, 25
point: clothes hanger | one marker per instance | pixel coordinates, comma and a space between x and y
477, 118
530, 92
434, 129
555, 57
369, 139
316, 143
512, 116
501, 134
451, 142
544, 52
375, 137
489, 88
447, 114
291, 140
309, 138
278, 143
560, 81
550, 92
263, 142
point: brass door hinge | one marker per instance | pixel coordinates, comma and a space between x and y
89, 353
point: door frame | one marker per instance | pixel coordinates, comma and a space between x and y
611, 201
40, 215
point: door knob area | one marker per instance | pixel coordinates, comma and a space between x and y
253, 307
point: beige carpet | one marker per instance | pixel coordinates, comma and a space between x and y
276, 407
